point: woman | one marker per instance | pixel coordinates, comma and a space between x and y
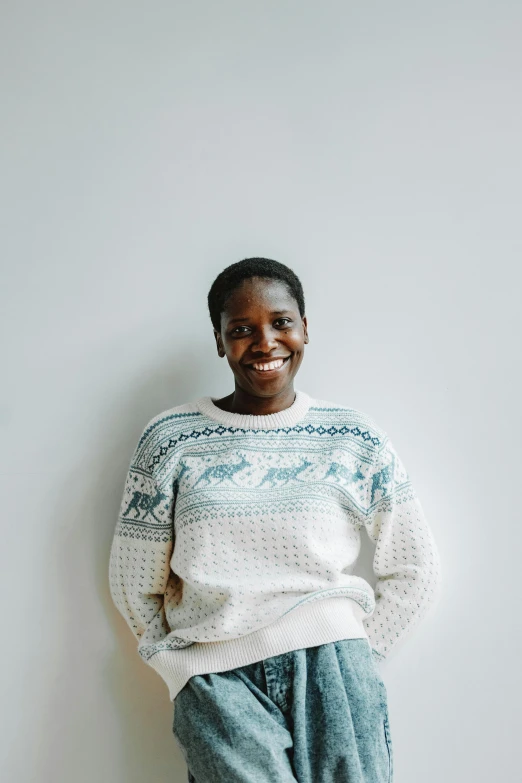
232, 560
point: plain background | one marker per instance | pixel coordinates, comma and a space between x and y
375, 149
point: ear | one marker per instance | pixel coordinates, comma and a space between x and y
305, 328
219, 344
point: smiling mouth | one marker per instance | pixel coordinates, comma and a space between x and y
273, 367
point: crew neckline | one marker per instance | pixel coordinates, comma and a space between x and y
265, 421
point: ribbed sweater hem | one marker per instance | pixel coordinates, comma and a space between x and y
309, 625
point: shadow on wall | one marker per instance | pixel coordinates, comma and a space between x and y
99, 644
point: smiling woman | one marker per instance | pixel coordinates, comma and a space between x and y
232, 560
257, 310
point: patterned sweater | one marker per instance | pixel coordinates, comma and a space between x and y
238, 534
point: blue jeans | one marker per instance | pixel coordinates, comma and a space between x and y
315, 715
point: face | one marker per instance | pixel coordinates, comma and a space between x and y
262, 324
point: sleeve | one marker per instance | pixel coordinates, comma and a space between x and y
142, 546
406, 560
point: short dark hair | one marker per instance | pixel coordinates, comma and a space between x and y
232, 276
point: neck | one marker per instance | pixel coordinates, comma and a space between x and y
243, 402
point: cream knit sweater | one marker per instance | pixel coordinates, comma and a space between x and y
238, 534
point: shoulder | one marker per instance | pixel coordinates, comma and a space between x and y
353, 421
169, 420
162, 434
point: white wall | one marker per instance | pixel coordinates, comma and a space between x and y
374, 148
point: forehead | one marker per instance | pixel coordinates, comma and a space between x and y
259, 293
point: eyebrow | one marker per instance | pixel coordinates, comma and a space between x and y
246, 317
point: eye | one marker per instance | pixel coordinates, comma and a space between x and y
234, 331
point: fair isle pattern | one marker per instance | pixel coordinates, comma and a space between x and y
265, 520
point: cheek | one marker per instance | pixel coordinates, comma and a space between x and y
233, 358
296, 339
232, 352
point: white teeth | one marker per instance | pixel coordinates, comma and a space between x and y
271, 366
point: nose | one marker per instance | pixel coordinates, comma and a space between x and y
265, 340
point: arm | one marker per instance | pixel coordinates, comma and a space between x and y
406, 560
142, 546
